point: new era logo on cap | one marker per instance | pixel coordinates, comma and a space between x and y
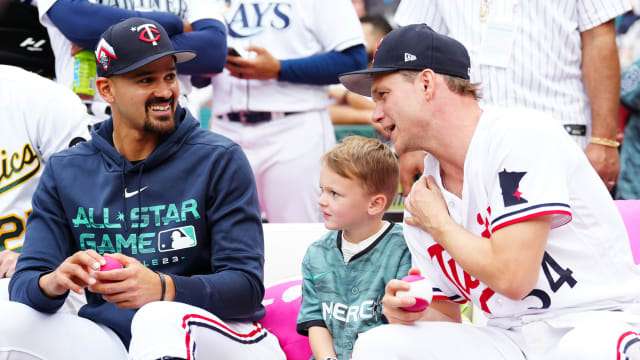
413, 47
134, 43
409, 57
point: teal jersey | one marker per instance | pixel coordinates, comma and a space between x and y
347, 299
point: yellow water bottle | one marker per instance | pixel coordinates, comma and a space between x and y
84, 74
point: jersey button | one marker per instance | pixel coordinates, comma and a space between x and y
354, 291
349, 345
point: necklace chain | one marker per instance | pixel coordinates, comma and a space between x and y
115, 145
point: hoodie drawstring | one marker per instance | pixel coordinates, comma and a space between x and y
139, 196
124, 198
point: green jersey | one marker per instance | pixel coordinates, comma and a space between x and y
347, 299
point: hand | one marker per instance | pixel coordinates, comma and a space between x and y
411, 164
337, 93
8, 260
392, 305
186, 26
75, 273
606, 161
262, 67
427, 207
131, 287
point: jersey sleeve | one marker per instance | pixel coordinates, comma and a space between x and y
592, 13
334, 23
47, 246
404, 263
61, 122
310, 313
236, 243
523, 184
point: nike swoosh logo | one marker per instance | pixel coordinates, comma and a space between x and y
314, 277
134, 193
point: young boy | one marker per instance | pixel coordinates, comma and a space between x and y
345, 271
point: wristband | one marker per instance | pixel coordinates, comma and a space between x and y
604, 142
163, 282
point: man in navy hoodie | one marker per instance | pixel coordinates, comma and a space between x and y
150, 176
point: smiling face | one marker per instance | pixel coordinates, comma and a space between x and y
145, 99
399, 109
343, 201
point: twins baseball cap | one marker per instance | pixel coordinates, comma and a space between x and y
411, 47
133, 43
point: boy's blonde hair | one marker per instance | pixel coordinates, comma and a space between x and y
367, 160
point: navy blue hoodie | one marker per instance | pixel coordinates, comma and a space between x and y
190, 210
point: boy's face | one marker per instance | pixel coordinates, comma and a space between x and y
344, 202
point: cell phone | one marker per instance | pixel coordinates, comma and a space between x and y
235, 52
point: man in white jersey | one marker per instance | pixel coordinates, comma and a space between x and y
77, 24
30, 133
508, 215
559, 58
273, 101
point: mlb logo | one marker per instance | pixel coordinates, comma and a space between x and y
177, 238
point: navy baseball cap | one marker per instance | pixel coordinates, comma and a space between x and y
412, 47
133, 43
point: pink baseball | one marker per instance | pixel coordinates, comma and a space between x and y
111, 264
421, 290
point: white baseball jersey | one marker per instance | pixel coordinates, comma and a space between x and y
539, 62
288, 29
39, 119
521, 164
190, 10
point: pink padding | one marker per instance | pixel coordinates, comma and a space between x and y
630, 211
282, 302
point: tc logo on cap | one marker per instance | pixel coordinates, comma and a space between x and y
148, 34
104, 54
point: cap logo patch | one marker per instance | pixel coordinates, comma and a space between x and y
104, 54
148, 34
409, 57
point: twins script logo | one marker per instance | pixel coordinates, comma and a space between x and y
148, 34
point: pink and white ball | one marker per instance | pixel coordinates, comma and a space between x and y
110, 264
421, 289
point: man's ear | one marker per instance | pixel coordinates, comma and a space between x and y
377, 204
105, 88
427, 80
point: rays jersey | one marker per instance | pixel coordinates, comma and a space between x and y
347, 299
288, 29
521, 164
40, 118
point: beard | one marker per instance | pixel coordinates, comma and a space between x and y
161, 125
